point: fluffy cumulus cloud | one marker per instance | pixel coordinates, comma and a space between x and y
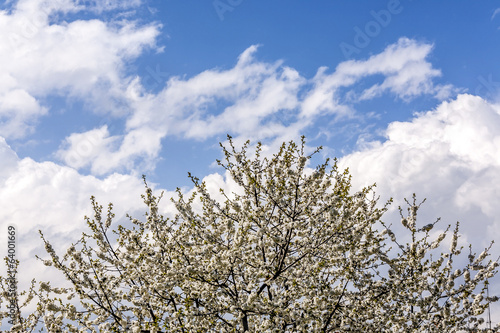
255, 100
9, 160
451, 155
53, 198
43, 55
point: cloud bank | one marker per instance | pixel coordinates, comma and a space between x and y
253, 100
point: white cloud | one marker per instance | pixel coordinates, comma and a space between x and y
46, 195
254, 91
83, 59
9, 160
107, 5
44, 55
261, 101
55, 199
104, 153
403, 64
451, 155
18, 111
83, 147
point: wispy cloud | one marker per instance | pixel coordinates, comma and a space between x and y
257, 100
87, 59
106, 5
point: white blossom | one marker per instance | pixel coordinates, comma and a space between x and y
293, 252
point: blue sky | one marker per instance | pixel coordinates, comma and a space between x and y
93, 94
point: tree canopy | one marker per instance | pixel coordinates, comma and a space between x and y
294, 250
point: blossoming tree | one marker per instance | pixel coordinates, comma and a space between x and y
294, 251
